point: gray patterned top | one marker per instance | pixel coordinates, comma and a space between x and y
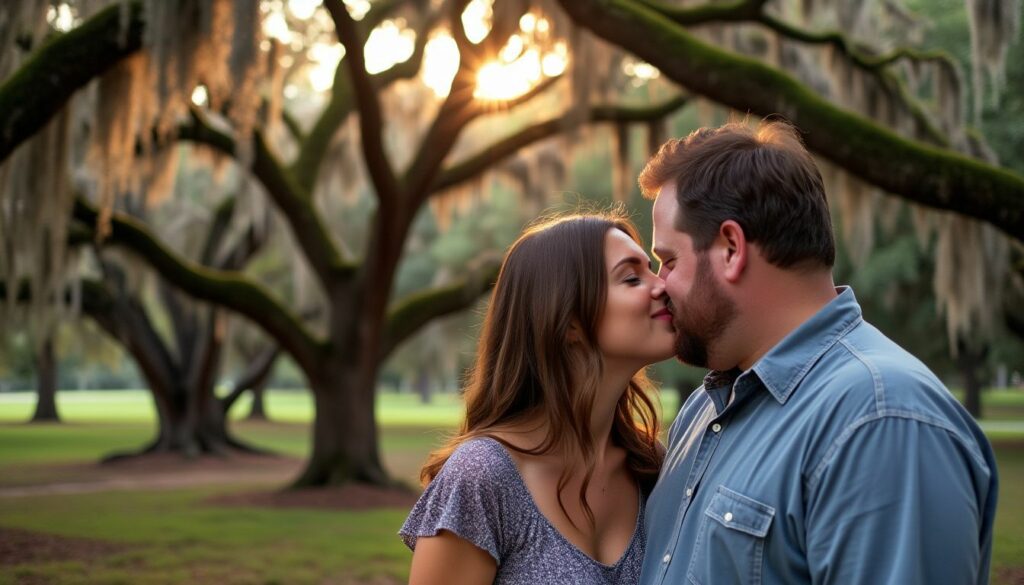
480, 496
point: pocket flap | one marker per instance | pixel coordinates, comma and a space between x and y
738, 512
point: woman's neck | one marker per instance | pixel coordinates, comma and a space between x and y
610, 389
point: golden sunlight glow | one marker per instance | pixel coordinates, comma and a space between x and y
358, 8
303, 9
640, 70
513, 49
275, 26
476, 20
500, 80
199, 95
325, 60
440, 62
60, 17
525, 60
554, 64
528, 22
390, 43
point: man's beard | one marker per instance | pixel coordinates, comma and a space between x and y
703, 316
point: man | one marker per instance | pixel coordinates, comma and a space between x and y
817, 450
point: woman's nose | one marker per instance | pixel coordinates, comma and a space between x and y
658, 290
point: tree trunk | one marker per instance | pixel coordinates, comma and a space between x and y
423, 386
344, 429
191, 421
970, 360
258, 411
46, 389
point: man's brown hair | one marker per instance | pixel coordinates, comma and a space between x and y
762, 178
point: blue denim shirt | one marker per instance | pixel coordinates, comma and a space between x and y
841, 459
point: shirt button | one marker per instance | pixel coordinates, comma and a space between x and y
689, 492
728, 516
666, 559
716, 428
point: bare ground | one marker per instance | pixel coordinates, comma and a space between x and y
349, 497
166, 471
1012, 576
157, 471
24, 546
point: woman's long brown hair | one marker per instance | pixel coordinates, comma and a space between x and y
553, 281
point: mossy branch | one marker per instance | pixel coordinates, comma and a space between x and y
860, 57
913, 170
228, 289
59, 68
407, 316
476, 164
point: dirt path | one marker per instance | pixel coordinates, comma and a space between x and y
150, 472
259, 479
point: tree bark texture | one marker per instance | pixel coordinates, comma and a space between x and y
46, 384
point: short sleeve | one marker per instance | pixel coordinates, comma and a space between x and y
464, 498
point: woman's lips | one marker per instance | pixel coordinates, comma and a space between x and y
663, 314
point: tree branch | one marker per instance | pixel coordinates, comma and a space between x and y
258, 370
231, 290
407, 316
458, 109
371, 121
710, 13
472, 166
340, 106
927, 175
290, 198
218, 227
294, 128
64, 64
753, 11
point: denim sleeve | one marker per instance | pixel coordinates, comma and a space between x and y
898, 500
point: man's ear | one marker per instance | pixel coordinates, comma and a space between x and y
734, 250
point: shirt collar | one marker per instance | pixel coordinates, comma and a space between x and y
785, 365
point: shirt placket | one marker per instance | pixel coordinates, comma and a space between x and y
709, 441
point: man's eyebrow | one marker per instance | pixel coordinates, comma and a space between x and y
660, 253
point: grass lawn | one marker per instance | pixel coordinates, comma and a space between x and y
175, 535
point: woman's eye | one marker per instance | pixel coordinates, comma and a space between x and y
633, 280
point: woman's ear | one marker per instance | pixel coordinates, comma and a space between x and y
734, 252
575, 333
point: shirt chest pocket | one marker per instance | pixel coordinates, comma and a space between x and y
730, 541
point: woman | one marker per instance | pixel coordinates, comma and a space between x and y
545, 482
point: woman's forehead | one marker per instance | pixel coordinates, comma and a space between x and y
619, 245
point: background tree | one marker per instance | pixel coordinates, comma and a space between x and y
358, 329
393, 140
